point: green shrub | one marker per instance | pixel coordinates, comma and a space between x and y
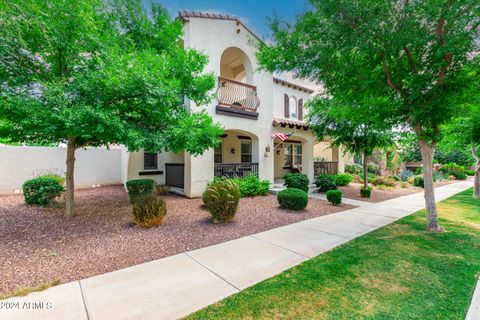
371, 177
325, 183
373, 168
149, 211
459, 175
389, 182
419, 170
221, 199
405, 175
293, 199
365, 192
251, 186
342, 179
334, 197
297, 181
139, 187
41, 190
354, 168
418, 181
60, 179
469, 172
448, 167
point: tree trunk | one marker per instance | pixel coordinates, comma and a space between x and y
70, 200
476, 178
427, 152
365, 171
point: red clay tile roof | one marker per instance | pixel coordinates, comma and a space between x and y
293, 85
290, 123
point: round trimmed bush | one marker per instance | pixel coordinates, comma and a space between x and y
342, 179
459, 175
334, 197
297, 181
418, 181
139, 187
221, 199
42, 190
325, 183
365, 192
293, 199
149, 211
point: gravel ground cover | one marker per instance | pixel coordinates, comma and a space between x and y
38, 245
352, 191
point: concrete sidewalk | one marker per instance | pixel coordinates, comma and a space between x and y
176, 286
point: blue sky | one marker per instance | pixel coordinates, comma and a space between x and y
253, 13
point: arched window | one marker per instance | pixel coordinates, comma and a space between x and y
293, 108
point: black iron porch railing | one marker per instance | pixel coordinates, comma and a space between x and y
237, 95
174, 175
235, 170
325, 167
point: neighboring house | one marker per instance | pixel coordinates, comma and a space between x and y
251, 105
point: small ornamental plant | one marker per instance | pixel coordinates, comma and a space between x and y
325, 183
365, 192
139, 187
297, 181
293, 199
221, 199
42, 190
418, 181
334, 197
149, 211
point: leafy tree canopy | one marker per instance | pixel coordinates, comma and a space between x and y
101, 72
413, 52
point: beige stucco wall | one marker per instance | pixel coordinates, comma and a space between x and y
93, 166
135, 165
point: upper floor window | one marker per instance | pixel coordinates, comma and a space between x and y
292, 104
150, 161
292, 108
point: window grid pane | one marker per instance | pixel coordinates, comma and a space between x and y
150, 161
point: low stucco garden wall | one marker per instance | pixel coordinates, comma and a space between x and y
93, 166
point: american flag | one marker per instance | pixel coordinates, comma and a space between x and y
281, 136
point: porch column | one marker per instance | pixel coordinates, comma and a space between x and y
198, 173
307, 160
341, 160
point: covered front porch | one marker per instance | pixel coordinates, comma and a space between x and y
237, 156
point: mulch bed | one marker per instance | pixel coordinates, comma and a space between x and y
38, 244
352, 191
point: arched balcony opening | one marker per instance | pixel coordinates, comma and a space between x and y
235, 84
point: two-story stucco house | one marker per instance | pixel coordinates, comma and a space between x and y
251, 105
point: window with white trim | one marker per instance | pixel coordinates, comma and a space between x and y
292, 104
293, 155
218, 154
246, 151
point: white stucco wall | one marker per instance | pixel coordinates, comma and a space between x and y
278, 99
93, 166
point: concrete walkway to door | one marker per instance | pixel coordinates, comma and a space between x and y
176, 286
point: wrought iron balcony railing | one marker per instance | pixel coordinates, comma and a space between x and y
237, 95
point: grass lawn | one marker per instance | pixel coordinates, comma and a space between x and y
398, 272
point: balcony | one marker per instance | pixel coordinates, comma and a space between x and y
237, 99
